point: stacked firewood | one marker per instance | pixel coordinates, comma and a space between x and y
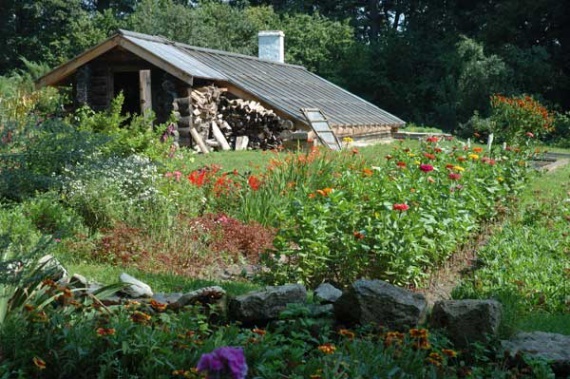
224, 121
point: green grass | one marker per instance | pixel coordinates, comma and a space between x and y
164, 283
526, 262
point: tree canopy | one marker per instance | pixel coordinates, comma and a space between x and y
429, 62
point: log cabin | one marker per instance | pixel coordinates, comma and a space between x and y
158, 74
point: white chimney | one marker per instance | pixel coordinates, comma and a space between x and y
272, 45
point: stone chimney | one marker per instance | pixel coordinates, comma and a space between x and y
272, 45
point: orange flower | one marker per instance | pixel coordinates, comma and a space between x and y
140, 317
102, 332
325, 191
393, 338
347, 333
327, 348
450, 353
418, 333
39, 363
260, 332
254, 182
159, 307
477, 149
367, 172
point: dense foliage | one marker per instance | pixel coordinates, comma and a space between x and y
429, 63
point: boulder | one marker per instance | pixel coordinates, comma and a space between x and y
136, 288
326, 293
51, 266
379, 302
263, 306
467, 321
552, 347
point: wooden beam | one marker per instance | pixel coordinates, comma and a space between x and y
68, 68
145, 91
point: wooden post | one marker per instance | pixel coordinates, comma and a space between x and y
145, 91
219, 136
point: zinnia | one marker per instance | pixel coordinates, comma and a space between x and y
426, 167
454, 176
400, 207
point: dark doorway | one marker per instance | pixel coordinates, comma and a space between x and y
128, 82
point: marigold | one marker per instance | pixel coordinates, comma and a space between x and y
327, 348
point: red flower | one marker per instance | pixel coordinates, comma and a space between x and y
429, 156
426, 167
400, 207
198, 177
401, 164
358, 235
254, 182
454, 176
432, 139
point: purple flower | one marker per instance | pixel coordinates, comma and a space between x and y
226, 359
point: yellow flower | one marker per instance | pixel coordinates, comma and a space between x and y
500, 179
458, 168
473, 157
347, 140
327, 348
140, 317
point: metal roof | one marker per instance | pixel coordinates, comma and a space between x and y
283, 86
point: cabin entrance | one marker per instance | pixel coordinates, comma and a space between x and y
128, 83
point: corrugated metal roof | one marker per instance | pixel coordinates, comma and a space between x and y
285, 87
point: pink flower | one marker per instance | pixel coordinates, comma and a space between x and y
426, 167
529, 135
400, 207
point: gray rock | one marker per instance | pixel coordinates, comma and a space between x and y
376, 301
552, 347
136, 288
467, 321
327, 293
266, 305
53, 268
167, 298
214, 296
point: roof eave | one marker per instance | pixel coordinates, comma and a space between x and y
64, 70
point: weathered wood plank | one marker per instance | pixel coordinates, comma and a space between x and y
145, 90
